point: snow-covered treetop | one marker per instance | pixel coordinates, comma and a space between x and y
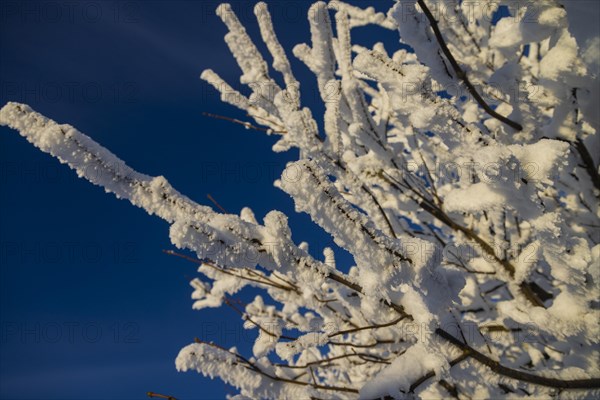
462, 176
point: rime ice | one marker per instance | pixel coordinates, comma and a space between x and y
457, 223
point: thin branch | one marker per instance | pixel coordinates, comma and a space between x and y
588, 163
216, 203
259, 326
264, 279
362, 328
160, 396
377, 342
314, 378
327, 360
431, 374
245, 124
460, 73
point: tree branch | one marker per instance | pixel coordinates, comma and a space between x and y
159, 396
498, 368
588, 162
460, 73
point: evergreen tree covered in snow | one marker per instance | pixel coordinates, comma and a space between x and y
461, 175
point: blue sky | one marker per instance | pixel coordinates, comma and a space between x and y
90, 308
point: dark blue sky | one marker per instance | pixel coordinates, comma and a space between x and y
89, 306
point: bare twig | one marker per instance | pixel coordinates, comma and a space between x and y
216, 203
262, 279
372, 357
394, 322
245, 124
160, 396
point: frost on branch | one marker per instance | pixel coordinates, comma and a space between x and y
462, 176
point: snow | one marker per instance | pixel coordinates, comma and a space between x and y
548, 18
395, 379
479, 196
449, 215
562, 58
288, 350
